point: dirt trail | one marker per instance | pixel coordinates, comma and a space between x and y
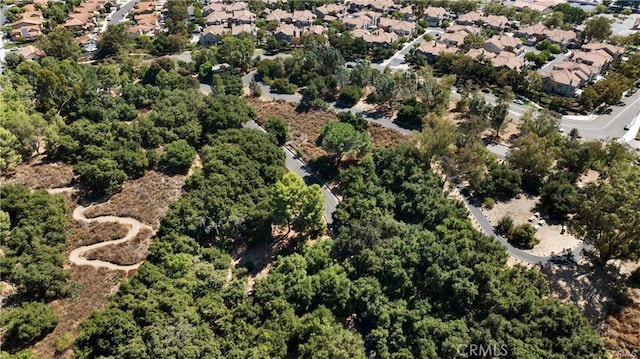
77, 255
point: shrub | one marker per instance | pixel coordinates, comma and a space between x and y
283, 86
504, 226
523, 236
28, 322
65, 342
350, 95
277, 127
489, 203
178, 155
103, 175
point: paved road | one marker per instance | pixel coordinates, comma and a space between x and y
295, 165
607, 126
513, 251
119, 15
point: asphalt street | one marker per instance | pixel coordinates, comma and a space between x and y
119, 15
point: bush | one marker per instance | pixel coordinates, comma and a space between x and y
28, 322
277, 127
356, 120
523, 236
102, 176
350, 95
634, 278
178, 155
489, 203
505, 226
65, 342
283, 86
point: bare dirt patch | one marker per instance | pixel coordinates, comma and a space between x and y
145, 199
37, 174
551, 241
127, 253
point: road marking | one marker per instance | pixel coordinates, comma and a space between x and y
627, 107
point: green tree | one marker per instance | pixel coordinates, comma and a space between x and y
299, 205
178, 155
342, 139
61, 44
499, 116
523, 236
559, 197
385, 86
608, 216
571, 14
355, 119
533, 159
350, 95
505, 226
436, 138
102, 176
9, 147
115, 41
597, 28
28, 322
236, 51
278, 128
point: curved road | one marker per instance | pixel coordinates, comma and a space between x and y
296, 165
77, 255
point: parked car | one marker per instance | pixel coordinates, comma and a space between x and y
518, 101
627, 126
485, 90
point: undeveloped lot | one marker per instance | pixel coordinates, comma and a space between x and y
145, 199
38, 173
127, 253
305, 127
551, 241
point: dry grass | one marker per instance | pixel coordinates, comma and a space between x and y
145, 199
38, 173
85, 234
127, 253
94, 287
305, 127
621, 330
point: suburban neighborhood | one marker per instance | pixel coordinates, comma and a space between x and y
319, 179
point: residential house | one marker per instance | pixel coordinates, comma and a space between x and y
383, 6
146, 29
544, 6
88, 42
532, 33
565, 82
212, 35
286, 32
243, 17
213, 7
29, 26
564, 38
435, 15
336, 10
278, 15
599, 59
144, 7
509, 60
236, 6
456, 34
246, 29
315, 30
31, 53
433, 49
400, 27
376, 38
407, 13
613, 50
496, 22
359, 22
470, 18
500, 43
303, 18
216, 19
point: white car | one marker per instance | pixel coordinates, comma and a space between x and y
542, 222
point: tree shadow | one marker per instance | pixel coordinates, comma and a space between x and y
592, 288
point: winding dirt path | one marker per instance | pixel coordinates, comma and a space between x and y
77, 255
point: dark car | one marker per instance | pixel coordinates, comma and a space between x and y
485, 89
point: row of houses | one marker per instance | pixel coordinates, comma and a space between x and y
146, 15
28, 27
83, 18
583, 66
